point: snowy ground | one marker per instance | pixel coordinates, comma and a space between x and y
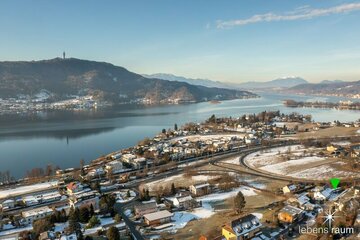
300, 164
122, 195
342, 143
285, 167
270, 156
322, 172
180, 219
152, 186
104, 223
14, 231
203, 178
27, 189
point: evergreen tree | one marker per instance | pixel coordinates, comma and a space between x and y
113, 233
92, 211
93, 222
239, 202
84, 215
117, 218
158, 199
173, 189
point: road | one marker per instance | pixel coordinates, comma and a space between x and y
120, 208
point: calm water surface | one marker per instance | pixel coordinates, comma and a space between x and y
63, 138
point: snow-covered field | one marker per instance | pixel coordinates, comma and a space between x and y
180, 219
322, 172
285, 167
267, 157
204, 178
295, 162
27, 189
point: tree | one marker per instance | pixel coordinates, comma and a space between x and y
93, 222
92, 211
239, 202
173, 189
74, 220
84, 215
175, 127
107, 204
42, 225
158, 198
113, 233
117, 218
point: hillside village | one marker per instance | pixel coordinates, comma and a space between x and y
165, 185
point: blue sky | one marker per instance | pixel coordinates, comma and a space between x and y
232, 41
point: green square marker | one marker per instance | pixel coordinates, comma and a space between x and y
334, 182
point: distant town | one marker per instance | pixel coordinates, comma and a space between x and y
257, 176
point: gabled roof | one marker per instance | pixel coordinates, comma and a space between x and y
158, 215
245, 224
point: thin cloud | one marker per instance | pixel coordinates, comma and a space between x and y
301, 13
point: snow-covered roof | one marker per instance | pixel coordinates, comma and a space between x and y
158, 215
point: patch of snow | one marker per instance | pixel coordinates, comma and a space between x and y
281, 168
16, 230
258, 215
27, 189
342, 143
203, 177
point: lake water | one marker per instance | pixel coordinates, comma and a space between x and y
63, 138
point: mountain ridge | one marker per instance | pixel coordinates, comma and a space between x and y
72, 76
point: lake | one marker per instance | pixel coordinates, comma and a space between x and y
63, 138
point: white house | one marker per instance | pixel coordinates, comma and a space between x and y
185, 202
289, 188
114, 166
7, 204
323, 195
35, 214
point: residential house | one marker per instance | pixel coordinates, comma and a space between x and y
30, 200
243, 228
7, 204
300, 201
48, 235
116, 156
200, 189
74, 187
85, 199
145, 208
291, 188
114, 167
69, 237
35, 214
323, 195
184, 202
158, 218
290, 214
